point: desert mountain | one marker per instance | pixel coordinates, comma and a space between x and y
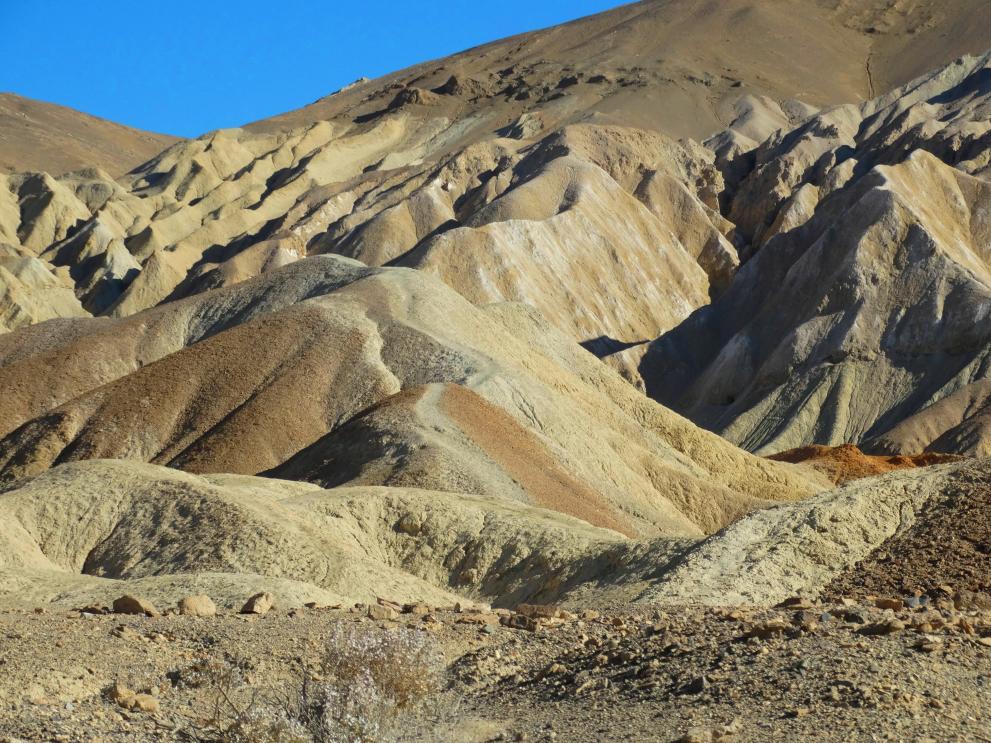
687, 68
43, 137
389, 288
404, 382
398, 286
866, 299
533, 169
641, 362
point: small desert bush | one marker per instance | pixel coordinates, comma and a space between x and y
369, 686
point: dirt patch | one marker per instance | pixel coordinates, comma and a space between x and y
845, 463
527, 460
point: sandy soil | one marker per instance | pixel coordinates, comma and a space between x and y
831, 672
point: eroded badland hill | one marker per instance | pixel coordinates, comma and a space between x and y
624, 380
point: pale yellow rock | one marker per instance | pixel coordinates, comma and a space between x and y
199, 605
128, 604
260, 603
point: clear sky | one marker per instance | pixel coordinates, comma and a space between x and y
188, 66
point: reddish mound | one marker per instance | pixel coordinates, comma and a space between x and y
527, 459
845, 463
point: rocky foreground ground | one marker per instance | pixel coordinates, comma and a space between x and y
888, 668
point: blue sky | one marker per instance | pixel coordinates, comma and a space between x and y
185, 67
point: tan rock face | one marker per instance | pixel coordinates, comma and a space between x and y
560, 226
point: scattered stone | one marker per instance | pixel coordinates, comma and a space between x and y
258, 604
199, 605
719, 734
971, 600
520, 621
128, 604
119, 692
855, 617
893, 604
389, 604
768, 629
133, 701
378, 612
883, 628
479, 618
144, 703
126, 633
928, 645
537, 611
695, 686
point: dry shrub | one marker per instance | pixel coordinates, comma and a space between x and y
370, 686
404, 665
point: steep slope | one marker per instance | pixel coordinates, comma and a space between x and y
867, 297
958, 423
241, 379
38, 136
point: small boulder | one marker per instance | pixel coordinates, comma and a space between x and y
883, 628
770, 628
120, 693
537, 611
389, 604
382, 613
131, 700
258, 604
199, 605
144, 703
888, 603
520, 621
133, 605
796, 603
695, 686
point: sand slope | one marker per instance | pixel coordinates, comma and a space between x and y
38, 136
